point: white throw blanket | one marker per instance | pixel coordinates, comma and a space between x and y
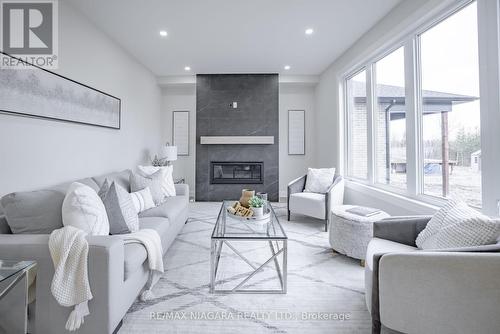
70, 284
151, 241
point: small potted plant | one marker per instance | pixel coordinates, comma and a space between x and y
257, 206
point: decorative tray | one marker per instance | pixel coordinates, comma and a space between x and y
264, 218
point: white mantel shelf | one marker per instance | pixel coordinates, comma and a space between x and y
236, 140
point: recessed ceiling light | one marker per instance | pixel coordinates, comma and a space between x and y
163, 33
187, 68
287, 67
309, 31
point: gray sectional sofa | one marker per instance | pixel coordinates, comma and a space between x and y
117, 272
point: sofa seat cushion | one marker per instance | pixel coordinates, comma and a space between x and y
171, 208
160, 225
381, 246
135, 255
309, 204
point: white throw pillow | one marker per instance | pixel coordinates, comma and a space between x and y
319, 180
143, 200
458, 225
82, 208
168, 186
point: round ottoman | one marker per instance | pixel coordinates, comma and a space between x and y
351, 233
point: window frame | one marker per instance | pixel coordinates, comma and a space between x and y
410, 42
347, 132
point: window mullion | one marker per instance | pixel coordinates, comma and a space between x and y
413, 173
370, 98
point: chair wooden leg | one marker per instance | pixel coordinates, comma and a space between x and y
288, 215
326, 225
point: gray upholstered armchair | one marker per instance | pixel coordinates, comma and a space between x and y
421, 291
314, 204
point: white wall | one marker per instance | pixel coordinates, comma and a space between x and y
36, 153
181, 97
296, 97
330, 127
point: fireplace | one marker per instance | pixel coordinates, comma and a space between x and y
236, 172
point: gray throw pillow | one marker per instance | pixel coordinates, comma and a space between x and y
153, 181
120, 208
33, 212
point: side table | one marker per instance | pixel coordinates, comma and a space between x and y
17, 278
351, 233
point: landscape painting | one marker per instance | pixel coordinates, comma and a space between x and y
36, 92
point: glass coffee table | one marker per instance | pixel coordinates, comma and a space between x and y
231, 231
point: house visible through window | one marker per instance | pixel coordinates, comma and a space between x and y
390, 120
450, 107
444, 117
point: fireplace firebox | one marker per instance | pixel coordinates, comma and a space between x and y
236, 172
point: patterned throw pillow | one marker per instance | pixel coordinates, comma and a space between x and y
153, 182
83, 209
143, 200
167, 184
120, 208
319, 180
458, 225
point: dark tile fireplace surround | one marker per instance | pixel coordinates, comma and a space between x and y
223, 170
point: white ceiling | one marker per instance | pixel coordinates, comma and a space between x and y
235, 36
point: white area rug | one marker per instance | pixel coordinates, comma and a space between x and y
321, 284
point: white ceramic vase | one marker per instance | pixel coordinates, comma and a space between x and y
258, 212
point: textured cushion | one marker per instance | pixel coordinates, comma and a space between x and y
33, 212
143, 200
122, 178
38, 212
458, 225
120, 209
167, 185
153, 182
319, 179
309, 204
82, 208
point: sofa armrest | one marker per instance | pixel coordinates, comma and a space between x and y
105, 270
182, 189
402, 229
297, 185
335, 194
440, 292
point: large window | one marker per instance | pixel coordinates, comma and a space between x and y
450, 108
390, 120
444, 158
357, 125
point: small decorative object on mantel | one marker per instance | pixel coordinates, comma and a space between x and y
246, 195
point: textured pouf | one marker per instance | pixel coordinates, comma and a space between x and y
351, 233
